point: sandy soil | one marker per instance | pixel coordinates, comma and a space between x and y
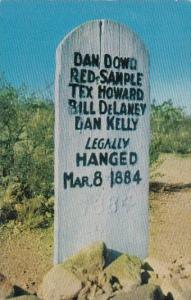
170, 225
171, 210
26, 256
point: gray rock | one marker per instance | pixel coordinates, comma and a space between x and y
127, 269
90, 259
6, 288
60, 284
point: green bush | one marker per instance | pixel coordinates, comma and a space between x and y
13, 195
26, 157
171, 130
26, 141
33, 212
36, 212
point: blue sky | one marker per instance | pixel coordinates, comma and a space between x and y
31, 30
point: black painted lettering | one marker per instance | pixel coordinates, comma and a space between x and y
74, 75
132, 94
72, 106
116, 62
133, 158
67, 178
77, 59
139, 79
133, 64
103, 75
81, 159
107, 61
140, 95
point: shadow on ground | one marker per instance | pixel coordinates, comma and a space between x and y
157, 187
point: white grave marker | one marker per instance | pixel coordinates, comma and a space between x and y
102, 138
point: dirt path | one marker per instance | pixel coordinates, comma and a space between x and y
171, 225
170, 230
174, 169
171, 210
26, 256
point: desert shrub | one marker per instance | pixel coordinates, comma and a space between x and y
7, 212
36, 212
26, 156
171, 130
26, 141
13, 195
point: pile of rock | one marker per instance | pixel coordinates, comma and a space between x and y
92, 274
88, 276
